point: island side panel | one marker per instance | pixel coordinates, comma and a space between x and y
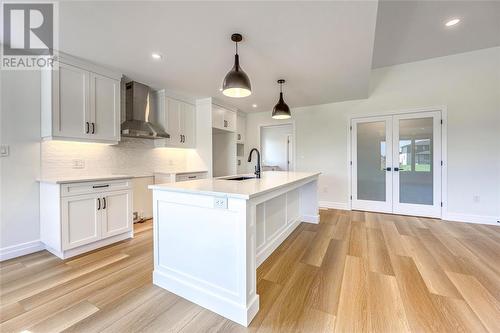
203, 253
309, 208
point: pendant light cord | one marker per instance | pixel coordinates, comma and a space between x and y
236, 47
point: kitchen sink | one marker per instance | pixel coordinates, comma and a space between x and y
240, 178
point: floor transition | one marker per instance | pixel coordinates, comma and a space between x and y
354, 271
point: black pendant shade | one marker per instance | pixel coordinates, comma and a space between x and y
281, 110
236, 83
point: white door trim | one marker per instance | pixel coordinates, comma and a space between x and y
444, 148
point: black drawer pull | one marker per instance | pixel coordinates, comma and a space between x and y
100, 186
191, 177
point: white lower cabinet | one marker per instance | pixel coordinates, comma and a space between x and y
100, 214
80, 221
116, 213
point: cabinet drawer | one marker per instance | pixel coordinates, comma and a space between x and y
190, 176
95, 187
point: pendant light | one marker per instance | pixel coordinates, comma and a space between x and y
236, 83
281, 110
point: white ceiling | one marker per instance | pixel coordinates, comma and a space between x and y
414, 30
323, 49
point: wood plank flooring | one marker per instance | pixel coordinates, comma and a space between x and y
355, 271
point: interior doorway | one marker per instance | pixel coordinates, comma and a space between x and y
276, 143
396, 164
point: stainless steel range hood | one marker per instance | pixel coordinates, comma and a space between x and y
137, 109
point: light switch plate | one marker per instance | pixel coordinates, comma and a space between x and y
220, 202
4, 150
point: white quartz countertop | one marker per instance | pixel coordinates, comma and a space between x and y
81, 179
244, 189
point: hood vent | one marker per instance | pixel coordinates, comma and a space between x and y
137, 109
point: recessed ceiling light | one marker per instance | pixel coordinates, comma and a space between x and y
156, 56
254, 105
452, 22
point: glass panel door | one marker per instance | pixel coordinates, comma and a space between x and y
372, 155
417, 182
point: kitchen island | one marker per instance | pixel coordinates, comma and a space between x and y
210, 235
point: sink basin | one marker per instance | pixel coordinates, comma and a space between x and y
240, 178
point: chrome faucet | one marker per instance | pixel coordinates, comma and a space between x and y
257, 167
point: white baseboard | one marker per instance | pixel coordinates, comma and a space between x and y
470, 218
18, 250
334, 205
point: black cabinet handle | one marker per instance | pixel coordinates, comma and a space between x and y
191, 177
93, 128
87, 129
98, 203
388, 169
183, 138
104, 203
239, 136
100, 186
396, 169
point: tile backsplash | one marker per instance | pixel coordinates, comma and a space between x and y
135, 157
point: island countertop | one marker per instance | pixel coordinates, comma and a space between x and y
243, 189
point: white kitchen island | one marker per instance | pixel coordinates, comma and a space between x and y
210, 235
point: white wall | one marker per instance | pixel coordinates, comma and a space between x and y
467, 84
20, 129
274, 146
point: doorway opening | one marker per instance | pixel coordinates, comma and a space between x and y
276, 142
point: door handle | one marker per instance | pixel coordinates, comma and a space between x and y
388, 169
183, 138
87, 130
98, 203
396, 169
104, 203
93, 128
180, 135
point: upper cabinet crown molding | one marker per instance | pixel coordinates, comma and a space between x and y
80, 102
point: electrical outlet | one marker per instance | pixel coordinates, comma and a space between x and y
78, 164
220, 202
476, 198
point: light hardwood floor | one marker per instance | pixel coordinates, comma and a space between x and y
355, 271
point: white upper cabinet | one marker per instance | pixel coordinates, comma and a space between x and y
105, 107
241, 124
223, 119
80, 102
188, 125
178, 118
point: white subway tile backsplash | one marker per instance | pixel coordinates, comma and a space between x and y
130, 156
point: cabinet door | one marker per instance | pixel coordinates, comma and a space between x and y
188, 125
71, 112
174, 121
80, 220
105, 107
230, 121
116, 213
240, 128
217, 117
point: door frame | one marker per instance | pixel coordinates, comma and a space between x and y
444, 148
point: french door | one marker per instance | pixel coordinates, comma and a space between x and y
396, 164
